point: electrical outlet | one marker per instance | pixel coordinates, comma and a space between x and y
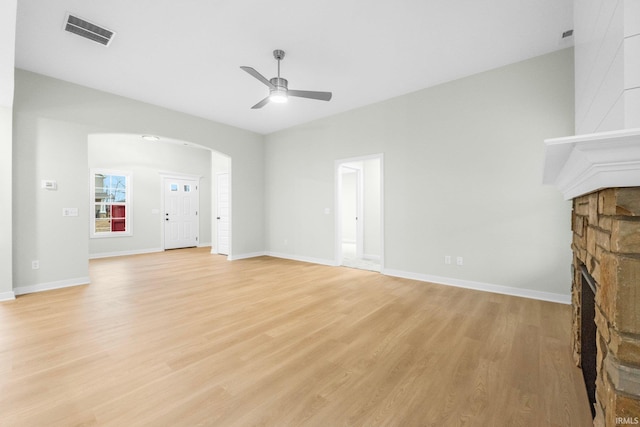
35, 264
447, 259
459, 260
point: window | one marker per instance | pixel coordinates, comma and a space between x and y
111, 201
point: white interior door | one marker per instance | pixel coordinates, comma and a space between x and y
222, 216
181, 205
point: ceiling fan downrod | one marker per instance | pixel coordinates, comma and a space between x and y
279, 55
279, 93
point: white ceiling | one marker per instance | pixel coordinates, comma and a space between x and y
185, 55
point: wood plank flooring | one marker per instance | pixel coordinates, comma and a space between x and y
186, 338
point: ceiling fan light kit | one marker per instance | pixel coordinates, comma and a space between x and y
279, 91
279, 94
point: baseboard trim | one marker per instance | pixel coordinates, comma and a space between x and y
124, 253
329, 262
448, 281
245, 256
480, 286
7, 296
41, 287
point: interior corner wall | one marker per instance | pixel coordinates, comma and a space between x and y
51, 123
462, 177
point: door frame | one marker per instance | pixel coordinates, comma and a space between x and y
338, 208
168, 176
215, 210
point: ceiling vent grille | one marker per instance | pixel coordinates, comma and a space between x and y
88, 30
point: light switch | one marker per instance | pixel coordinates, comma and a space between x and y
49, 184
69, 211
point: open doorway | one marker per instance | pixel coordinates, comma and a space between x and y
175, 203
359, 225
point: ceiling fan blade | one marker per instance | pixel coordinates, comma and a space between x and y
322, 96
261, 103
258, 76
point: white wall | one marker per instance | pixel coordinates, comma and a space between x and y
147, 160
607, 65
632, 63
49, 149
349, 204
7, 59
7, 50
371, 208
462, 177
6, 276
52, 121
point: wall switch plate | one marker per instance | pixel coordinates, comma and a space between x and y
69, 211
48, 184
35, 264
459, 260
447, 259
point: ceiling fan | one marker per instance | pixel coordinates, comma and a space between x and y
278, 90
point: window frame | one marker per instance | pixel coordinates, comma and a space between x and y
128, 216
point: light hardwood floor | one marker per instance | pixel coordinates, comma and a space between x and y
185, 338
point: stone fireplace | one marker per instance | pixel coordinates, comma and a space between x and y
600, 173
606, 242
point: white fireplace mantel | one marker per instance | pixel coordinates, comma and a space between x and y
582, 164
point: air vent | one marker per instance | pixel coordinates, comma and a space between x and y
88, 30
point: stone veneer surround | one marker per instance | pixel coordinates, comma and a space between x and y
606, 239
